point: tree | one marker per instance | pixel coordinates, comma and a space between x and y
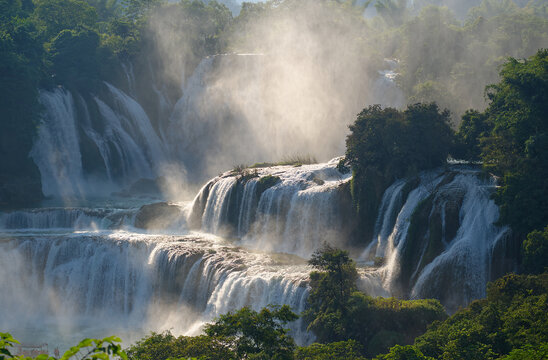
53, 16
74, 58
349, 350
473, 127
514, 315
407, 352
388, 144
337, 311
517, 147
255, 335
535, 252
330, 291
166, 346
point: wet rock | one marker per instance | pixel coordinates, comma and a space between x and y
157, 216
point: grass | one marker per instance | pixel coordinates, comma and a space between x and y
291, 160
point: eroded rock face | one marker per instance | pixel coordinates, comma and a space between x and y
157, 216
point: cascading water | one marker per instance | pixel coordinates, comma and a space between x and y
437, 239
435, 234
122, 135
117, 280
57, 149
83, 270
291, 209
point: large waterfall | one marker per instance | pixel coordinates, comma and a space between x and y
434, 236
124, 264
243, 241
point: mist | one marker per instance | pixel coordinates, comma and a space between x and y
295, 77
287, 78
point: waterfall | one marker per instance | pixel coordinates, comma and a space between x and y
56, 151
295, 213
387, 91
141, 281
126, 144
232, 110
437, 239
434, 235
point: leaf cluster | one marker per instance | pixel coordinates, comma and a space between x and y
87, 349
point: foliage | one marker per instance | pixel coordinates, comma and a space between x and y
166, 346
20, 72
535, 252
266, 182
330, 290
407, 352
349, 350
517, 147
448, 62
513, 316
387, 144
87, 349
472, 128
529, 352
73, 56
245, 334
255, 335
338, 312
54, 16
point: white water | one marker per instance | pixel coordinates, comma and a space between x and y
82, 271
121, 280
294, 216
304, 209
123, 135
57, 150
459, 273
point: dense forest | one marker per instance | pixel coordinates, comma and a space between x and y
476, 85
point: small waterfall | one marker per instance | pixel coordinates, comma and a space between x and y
56, 151
387, 91
216, 209
284, 208
136, 122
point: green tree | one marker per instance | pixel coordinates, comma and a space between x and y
535, 252
74, 59
330, 291
53, 16
166, 346
467, 142
255, 335
407, 352
387, 144
517, 147
21, 68
349, 350
513, 315
338, 312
